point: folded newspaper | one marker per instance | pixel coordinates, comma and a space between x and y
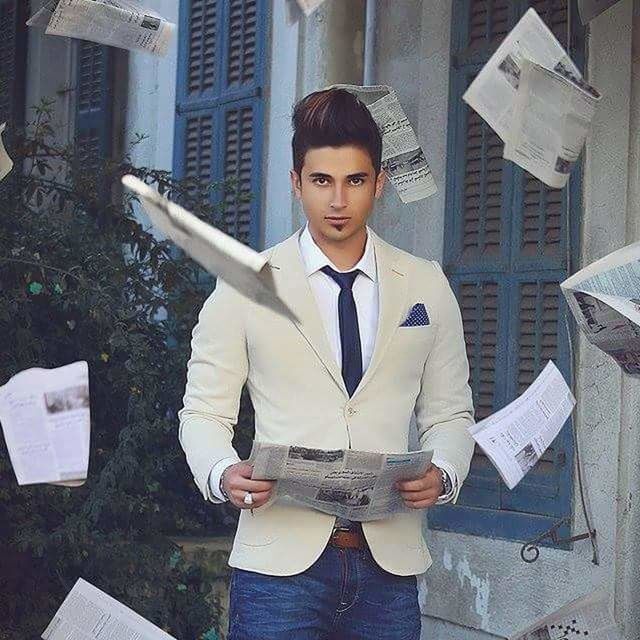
90, 614
45, 418
605, 301
533, 96
238, 265
118, 23
358, 485
403, 159
587, 617
6, 163
515, 437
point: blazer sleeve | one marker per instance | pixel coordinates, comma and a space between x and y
444, 407
216, 374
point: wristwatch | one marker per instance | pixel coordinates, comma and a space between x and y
447, 485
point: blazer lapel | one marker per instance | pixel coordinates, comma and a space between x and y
392, 294
293, 287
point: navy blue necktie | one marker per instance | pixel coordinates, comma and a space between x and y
349, 329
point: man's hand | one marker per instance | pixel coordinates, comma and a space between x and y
423, 492
237, 482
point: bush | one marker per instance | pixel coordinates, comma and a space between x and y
81, 279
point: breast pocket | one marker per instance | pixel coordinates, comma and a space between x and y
410, 347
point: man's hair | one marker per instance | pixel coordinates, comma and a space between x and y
333, 118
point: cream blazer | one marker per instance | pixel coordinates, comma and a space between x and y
299, 398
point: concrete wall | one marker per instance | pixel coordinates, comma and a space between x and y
479, 588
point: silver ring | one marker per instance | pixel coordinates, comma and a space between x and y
248, 498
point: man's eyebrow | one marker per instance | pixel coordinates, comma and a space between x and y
319, 174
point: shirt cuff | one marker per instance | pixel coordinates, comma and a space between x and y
453, 476
215, 495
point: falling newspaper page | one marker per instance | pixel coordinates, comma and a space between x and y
309, 6
587, 617
605, 301
220, 254
357, 485
403, 159
119, 23
41, 18
551, 118
6, 163
589, 9
90, 614
45, 418
515, 437
493, 92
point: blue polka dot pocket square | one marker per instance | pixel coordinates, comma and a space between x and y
418, 317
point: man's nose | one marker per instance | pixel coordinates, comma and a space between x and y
339, 200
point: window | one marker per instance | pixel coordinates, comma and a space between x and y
506, 251
94, 99
13, 59
220, 106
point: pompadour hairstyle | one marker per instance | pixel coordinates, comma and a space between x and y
333, 118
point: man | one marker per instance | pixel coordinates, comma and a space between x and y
379, 337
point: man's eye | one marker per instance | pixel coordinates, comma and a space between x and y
357, 181
320, 181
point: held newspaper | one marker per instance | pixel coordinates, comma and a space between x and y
357, 485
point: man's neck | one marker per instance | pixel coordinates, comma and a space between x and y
346, 253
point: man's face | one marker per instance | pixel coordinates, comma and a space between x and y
337, 188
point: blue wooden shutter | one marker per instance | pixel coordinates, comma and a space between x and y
220, 106
94, 114
506, 252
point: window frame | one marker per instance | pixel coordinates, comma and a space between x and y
490, 521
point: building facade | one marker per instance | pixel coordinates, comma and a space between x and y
218, 106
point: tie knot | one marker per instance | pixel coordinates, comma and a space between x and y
345, 280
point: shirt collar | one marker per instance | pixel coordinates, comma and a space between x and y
314, 258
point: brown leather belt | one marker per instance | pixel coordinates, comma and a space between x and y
347, 539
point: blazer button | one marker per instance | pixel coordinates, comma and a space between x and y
351, 411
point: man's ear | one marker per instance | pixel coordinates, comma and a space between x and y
380, 180
295, 184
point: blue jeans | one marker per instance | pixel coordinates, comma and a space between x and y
344, 595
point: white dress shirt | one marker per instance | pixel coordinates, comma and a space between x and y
326, 291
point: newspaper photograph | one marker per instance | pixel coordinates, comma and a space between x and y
45, 417
118, 23
551, 119
6, 163
309, 6
515, 437
604, 298
358, 485
220, 254
586, 617
492, 94
403, 159
88, 613
589, 9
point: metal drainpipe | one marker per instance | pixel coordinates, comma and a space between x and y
369, 41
